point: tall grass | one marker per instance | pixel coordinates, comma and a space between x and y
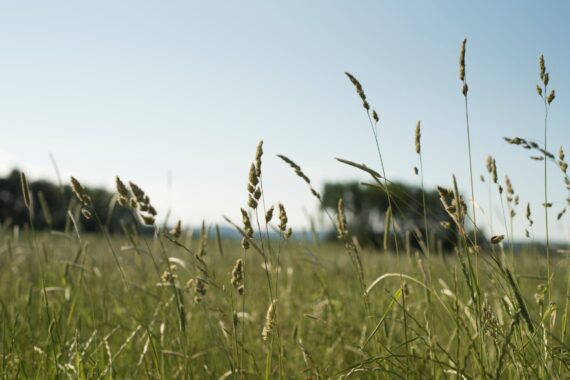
160, 305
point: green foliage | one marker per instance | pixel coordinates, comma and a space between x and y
367, 206
58, 202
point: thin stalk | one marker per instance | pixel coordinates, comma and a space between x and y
471, 172
113, 251
424, 205
375, 133
546, 195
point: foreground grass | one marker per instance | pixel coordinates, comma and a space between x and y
66, 313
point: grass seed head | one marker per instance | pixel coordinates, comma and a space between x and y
562, 164
529, 215
509, 184
341, 225
121, 188
494, 171
496, 239
80, 193
258, 155
137, 192
237, 274
199, 289
359, 91
282, 218
269, 214
269, 321
551, 97
462, 61
542, 67
176, 231
418, 137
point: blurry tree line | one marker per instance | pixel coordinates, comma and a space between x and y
366, 207
373, 222
52, 205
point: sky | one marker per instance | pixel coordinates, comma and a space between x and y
175, 95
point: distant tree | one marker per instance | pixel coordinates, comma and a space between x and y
51, 203
366, 208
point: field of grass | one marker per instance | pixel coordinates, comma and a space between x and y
169, 304
66, 313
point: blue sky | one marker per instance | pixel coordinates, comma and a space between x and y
142, 89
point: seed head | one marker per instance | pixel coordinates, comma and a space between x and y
148, 220
494, 171
551, 97
269, 320
80, 193
252, 202
248, 229
176, 231
169, 275
244, 243
258, 154
489, 164
509, 185
418, 137
497, 239
282, 218
561, 161
138, 193
253, 178
237, 274
542, 66
269, 214
359, 90
121, 188
462, 61
299, 172
341, 225
199, 289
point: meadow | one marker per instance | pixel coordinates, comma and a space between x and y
277, 304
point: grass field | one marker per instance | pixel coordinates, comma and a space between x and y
168, 304
66, 313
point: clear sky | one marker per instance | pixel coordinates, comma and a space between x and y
142, 89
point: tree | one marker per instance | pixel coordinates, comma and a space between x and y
51, 203
366, 207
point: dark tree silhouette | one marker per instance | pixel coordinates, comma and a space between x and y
366, 208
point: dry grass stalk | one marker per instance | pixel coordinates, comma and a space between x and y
80, 193
25, 190
301, 174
